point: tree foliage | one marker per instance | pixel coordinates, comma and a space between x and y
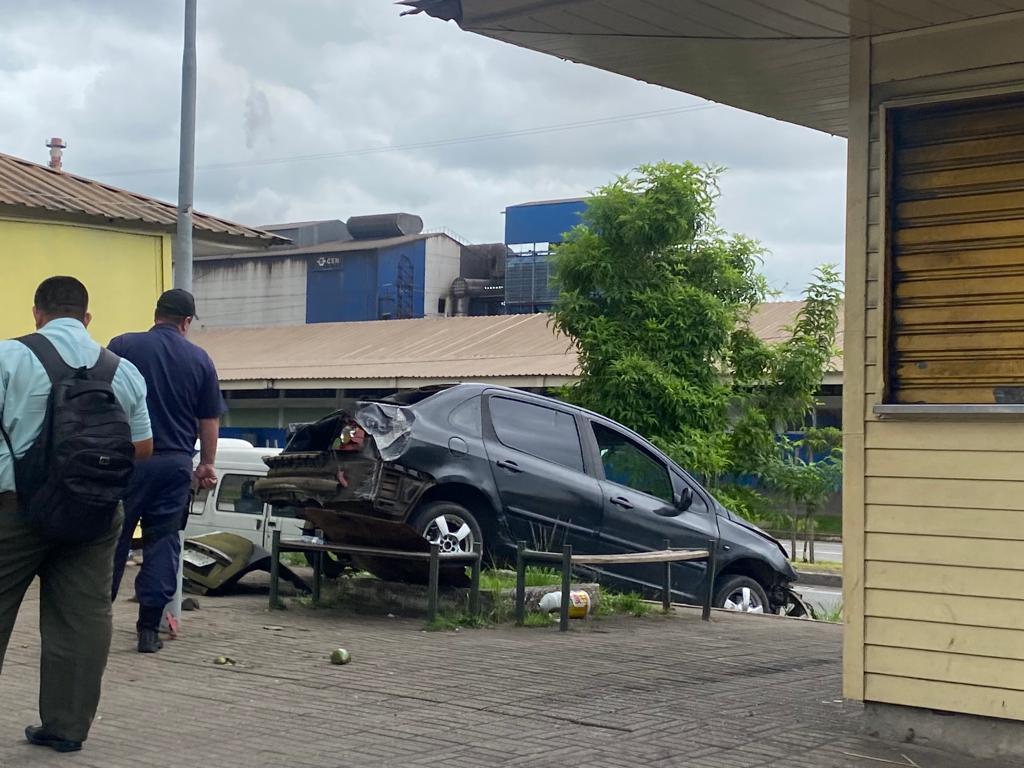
658, 299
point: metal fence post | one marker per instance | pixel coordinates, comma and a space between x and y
563, 618
435, 572
709, 592
474, 581
275, 568
520, 583
666, 592
318, 571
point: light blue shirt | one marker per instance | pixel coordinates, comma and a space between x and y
25, 389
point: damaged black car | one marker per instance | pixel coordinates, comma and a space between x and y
472, 463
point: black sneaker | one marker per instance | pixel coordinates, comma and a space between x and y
39, 737
149, 641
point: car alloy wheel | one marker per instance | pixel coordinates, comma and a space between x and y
452, 534
744, 600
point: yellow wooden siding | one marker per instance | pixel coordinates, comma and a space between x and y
950, 697
938, 514
959, 610
854, 377
956, 237
953, 521
933, 636
123, 272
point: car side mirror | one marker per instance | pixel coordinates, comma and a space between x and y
685, 499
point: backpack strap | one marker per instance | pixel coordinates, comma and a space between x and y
48, 355
57, 369
106, 366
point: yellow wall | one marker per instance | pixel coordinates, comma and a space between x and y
124, 273
934, 545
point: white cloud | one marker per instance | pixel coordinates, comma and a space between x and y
316, 77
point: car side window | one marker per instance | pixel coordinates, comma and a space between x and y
236, 495
542, 432
466, 416
627, 463
698, 504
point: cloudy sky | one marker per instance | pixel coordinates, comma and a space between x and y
331, 108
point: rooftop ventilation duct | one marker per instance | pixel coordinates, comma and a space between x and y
382, 225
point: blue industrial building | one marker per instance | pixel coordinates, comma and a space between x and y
530, 231
368, 268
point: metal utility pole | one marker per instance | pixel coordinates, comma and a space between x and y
182, 252
187, 155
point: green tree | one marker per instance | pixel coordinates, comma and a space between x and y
658, 299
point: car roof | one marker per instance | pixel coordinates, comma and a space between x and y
467, 388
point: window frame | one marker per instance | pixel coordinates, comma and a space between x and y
492, 434
883, 405
644, 449
220, 487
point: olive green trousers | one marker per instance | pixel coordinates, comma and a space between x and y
74, 615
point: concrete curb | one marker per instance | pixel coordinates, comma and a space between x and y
819, 579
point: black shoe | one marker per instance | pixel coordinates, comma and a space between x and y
39, 737
149, 641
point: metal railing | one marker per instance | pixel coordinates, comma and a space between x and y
567, 560
433, 557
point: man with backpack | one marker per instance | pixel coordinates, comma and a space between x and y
74, 421
184, 401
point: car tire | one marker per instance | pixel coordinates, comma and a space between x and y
458, 532
425, 522
730, 594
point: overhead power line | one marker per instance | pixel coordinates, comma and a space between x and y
428, 144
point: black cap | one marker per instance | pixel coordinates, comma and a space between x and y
176, 303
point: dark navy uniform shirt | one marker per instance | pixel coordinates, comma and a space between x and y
181, 384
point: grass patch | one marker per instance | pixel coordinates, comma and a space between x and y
631, 604
819, 566
540, 619
293, 558
495, 580
833, 615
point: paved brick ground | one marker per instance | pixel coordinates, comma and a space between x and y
742, 691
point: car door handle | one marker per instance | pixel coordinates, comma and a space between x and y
271, 524
511, 466
259, 524
622, 501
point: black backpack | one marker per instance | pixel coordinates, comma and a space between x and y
72, 478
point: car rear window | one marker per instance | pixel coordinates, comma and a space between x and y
543, 432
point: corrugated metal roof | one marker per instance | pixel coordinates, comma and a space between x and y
771, 322
332, 246
25, 185
453, 348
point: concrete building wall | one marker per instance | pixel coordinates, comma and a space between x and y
124, 272
934, 549
248, 292
442, 263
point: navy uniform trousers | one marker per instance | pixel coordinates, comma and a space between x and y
157, 496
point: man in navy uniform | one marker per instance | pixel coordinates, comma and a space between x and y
184, 400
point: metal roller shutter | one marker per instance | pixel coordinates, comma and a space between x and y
956, 253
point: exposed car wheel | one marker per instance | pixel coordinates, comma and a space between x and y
451, 525
334, 564
742, 594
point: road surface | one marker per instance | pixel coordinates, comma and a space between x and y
822, 599
823, 550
